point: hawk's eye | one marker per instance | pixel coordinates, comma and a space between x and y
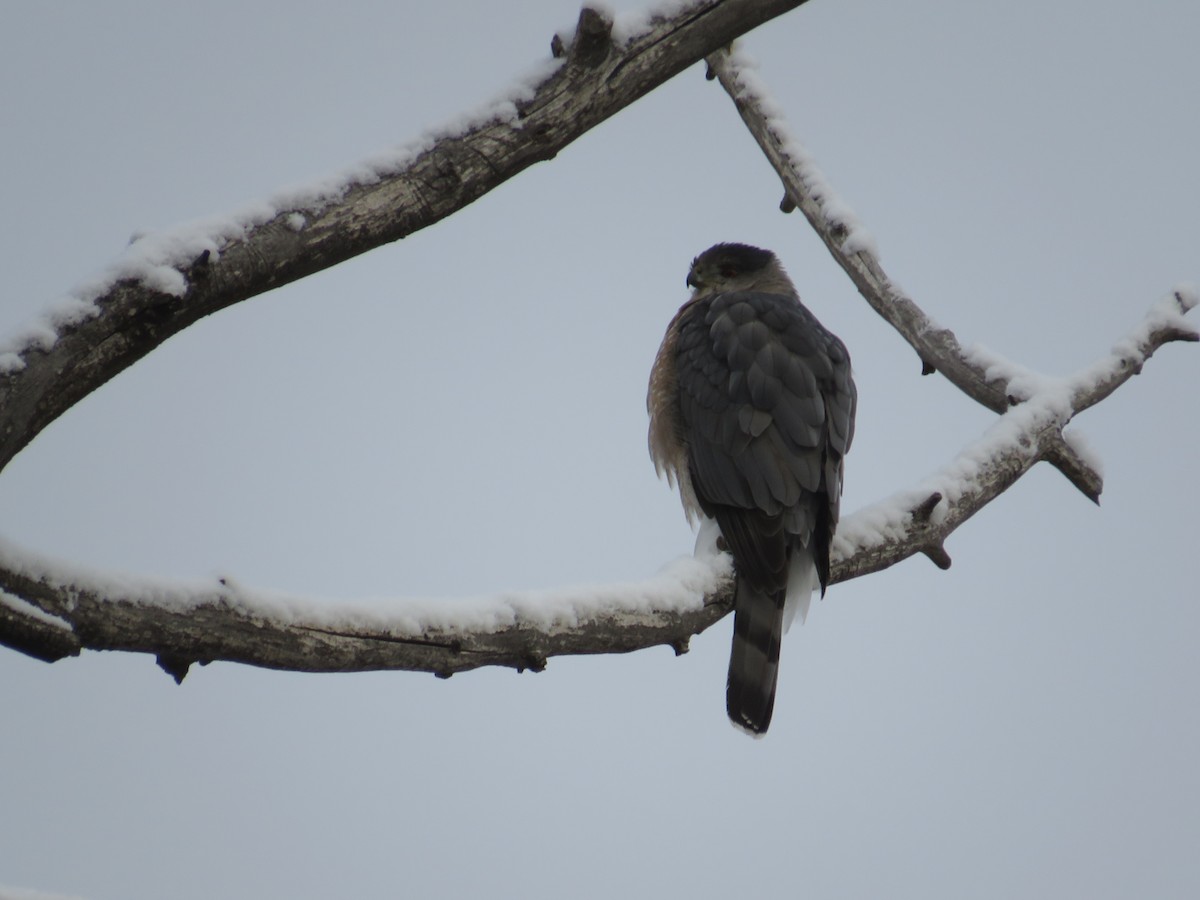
728, 271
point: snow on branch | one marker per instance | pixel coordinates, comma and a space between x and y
919, 519
167, 281
854, 250
51, 609
1034, 408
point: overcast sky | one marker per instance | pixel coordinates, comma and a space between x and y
463, 413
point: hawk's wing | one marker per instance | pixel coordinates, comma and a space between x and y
767, 406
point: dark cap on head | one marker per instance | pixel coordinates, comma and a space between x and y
728, 261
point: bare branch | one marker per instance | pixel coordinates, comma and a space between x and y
167, 282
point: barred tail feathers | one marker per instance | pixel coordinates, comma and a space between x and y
754, 657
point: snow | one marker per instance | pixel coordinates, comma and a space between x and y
888, 520
837, 213
1136, 347
1130, 351
627, 26
152, 259
1044, 399
1021, 382
883, 521
1187, 295
632, 24
679, 586
28, 609
155, 258
1076, 440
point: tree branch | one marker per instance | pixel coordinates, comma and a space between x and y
50, 610
853, 249
919, 520
1035, 408
166, 282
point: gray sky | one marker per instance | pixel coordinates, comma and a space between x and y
463, 412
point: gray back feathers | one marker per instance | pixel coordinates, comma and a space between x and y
761, 412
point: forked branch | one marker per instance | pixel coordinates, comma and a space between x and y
50, 610
1035, 408
853, 249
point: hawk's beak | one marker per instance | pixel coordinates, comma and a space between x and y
692, 281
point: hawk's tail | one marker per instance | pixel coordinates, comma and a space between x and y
754, 659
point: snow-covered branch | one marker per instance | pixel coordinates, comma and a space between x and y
167, 281
1034, 408
854, 250
918, 520
51, 609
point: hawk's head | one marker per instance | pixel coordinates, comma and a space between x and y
737, 267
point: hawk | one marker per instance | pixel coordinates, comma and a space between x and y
751, 407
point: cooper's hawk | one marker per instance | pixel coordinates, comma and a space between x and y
751, 413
